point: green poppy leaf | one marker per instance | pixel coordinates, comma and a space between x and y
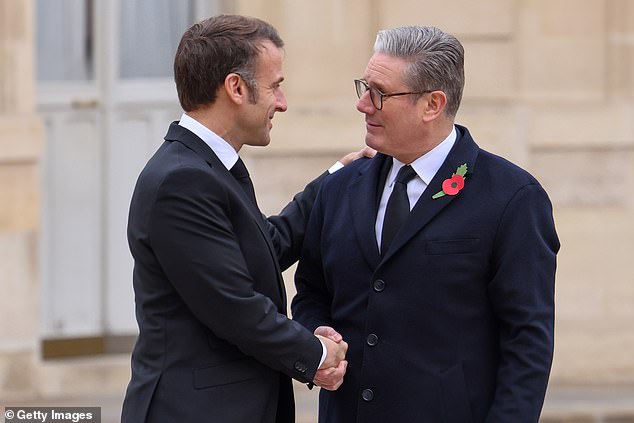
462, 170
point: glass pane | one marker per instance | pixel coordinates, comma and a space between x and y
150, 33
65, 38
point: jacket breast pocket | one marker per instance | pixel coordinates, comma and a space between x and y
452, 246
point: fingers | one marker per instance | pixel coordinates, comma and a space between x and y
367, 152
364, 152
331, 378
330, 374
335, 352
348, 158
329, 333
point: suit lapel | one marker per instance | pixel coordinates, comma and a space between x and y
365, 194
191, 141
464, 151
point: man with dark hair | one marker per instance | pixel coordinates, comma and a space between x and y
435, 260
215, 344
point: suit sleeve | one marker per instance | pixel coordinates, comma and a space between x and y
189, 225
522, 294
288, 228
311, 305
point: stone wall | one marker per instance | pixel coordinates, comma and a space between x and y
20, 150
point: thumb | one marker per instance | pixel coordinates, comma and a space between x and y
328, 332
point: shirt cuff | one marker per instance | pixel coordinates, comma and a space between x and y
323, 354
335, 167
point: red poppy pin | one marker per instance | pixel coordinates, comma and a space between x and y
453, 185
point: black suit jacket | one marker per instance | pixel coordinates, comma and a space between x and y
454, 323
215, 344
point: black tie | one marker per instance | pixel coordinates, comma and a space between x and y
397, 208
241, 174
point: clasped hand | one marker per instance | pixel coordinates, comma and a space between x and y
330, 375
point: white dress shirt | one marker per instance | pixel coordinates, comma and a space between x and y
425, 166
225, 152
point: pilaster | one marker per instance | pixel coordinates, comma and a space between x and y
20, 150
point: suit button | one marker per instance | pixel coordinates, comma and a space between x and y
367, 395
300, 367
372, 340
379, 285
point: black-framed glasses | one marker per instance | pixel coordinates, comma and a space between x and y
377, 96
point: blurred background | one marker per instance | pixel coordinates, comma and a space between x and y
86, 95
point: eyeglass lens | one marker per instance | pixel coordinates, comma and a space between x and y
375, 97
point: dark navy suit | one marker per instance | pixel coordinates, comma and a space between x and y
215, 345
454, 322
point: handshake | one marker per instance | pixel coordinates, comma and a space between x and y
330, 374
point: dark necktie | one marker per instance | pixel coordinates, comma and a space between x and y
397, 208
241, 174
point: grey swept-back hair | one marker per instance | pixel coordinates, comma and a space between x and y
436, 60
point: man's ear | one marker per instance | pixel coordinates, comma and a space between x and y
434, 106
235, 88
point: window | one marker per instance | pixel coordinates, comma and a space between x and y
65, 40
150, 33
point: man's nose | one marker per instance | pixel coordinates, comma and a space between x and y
364, 104
280, 102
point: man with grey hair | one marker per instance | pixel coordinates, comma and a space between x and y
435, 260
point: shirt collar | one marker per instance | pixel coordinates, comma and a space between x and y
428, 164
225, 152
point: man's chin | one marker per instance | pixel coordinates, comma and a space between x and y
260, 143
373, 142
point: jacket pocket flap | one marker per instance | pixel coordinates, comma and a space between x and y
229, 372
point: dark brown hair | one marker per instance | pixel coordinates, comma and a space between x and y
212, 49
